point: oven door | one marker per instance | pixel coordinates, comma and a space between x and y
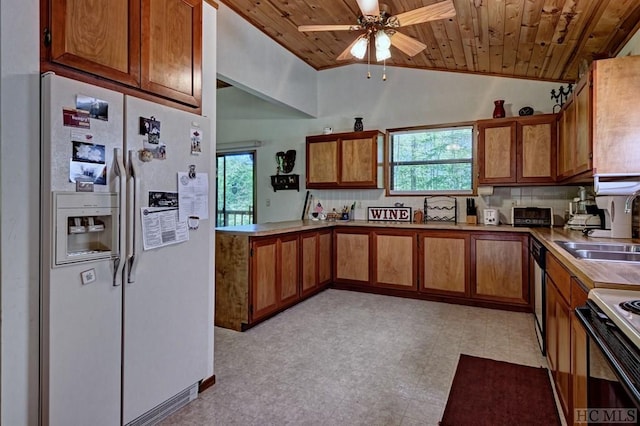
613, 373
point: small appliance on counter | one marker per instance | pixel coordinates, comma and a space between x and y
584, 212
490, 216
532, 216
611, 198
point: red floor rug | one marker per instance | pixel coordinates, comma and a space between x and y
489, 392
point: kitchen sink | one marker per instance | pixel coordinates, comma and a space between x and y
616, 252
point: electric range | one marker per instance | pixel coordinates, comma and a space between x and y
622, 307
611, 318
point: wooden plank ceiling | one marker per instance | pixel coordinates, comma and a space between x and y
537, 39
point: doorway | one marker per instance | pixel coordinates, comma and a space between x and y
236, 188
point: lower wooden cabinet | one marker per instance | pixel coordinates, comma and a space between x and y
274, 274
315, 261
352, 256
566, 337
394, 259
500, 268
444, 263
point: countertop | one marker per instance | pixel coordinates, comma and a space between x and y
590, 272
275, 228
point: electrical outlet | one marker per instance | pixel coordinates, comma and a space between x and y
268, 202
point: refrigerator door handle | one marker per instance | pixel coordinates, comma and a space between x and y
121, 188
134, 194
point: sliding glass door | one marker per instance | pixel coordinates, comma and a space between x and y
235, 192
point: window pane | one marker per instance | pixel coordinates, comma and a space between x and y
432, 177
431, 145
432, 160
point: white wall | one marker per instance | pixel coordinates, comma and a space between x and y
19, 206
249, 59
408, 98
632, 47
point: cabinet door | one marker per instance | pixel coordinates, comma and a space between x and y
288, 269
309, 262
583, 153
171, 49
551, 330
567, 142
444, 263
322, 164
537, 150
324, 257
579, 364
351, 256
501, 265
358, 162
97, 37
616, 90
264, 278
497, 152
394, 261
563, 376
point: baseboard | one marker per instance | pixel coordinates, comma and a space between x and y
207, 383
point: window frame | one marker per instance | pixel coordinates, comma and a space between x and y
388, 165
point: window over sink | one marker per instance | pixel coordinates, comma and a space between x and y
431, 160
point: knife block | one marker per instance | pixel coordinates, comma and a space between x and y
472, 220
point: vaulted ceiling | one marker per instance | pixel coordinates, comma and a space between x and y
538, 39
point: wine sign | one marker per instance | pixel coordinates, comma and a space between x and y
389, 214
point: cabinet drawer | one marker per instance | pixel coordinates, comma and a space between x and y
560, 277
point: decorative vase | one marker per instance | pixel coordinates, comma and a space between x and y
498, 111
358, 126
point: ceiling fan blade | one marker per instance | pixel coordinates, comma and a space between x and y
432, 12
369, 7
346, 53
329, 27
407, 44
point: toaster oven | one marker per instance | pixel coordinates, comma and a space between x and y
532, 216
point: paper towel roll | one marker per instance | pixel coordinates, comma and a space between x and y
615, 188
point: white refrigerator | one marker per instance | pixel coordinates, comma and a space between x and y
125, 330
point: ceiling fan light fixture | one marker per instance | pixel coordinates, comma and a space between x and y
383, 41
360, 48
382, 54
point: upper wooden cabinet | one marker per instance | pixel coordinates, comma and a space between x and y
575, 135
517, 150
344, 160
152, 46
616, 90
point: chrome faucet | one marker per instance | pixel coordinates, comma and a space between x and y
629, 202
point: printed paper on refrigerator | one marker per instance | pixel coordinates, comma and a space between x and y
193, 196
161, 227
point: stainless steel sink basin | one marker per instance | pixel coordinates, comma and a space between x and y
616, 252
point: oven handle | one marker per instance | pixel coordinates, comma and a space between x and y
625, 380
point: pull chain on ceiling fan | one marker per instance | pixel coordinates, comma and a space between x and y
380, 27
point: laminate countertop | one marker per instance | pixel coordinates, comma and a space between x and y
592, 273
275, 228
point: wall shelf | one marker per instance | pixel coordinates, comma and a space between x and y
282, 182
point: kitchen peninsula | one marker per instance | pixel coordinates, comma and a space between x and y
263, 269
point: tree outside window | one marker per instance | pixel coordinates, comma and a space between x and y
431, 161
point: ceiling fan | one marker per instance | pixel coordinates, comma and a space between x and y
380, 25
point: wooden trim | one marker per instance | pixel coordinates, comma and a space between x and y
206, 383
212, 3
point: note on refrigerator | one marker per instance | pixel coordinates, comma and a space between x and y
193, 196
161, 227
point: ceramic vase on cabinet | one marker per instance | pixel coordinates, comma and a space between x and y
498, 110
358, 126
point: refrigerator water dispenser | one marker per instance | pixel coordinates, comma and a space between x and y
86, 226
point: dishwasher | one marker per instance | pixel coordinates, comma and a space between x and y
538, 253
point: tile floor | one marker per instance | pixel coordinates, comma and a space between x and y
348, 358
